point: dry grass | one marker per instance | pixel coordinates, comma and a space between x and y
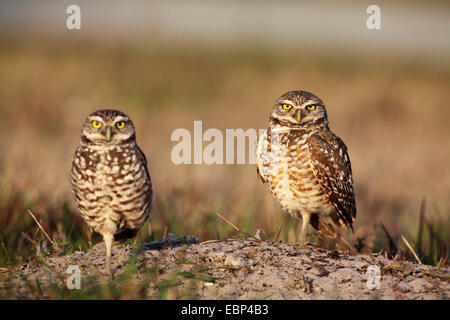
392, 114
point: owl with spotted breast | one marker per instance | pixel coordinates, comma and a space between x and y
306, 165
110, 179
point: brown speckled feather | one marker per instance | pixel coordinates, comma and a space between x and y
333, 171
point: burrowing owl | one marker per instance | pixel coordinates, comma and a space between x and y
109, 178
306, 165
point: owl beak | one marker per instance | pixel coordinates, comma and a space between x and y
108, 133
298, 116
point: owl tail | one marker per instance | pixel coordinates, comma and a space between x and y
324, 227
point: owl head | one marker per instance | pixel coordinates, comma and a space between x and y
299, 109
108, 127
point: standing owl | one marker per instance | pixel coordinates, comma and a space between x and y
306, 165
109, 178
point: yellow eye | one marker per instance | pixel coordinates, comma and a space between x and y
96, 124
120, 125
311, 107
286, 106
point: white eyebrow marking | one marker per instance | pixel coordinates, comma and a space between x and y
96, 118
287, 102
120, 118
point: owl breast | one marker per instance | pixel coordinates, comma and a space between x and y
286, 167
111, 186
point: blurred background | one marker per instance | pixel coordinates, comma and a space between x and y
168, 63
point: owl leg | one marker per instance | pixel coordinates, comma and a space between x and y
305, 222
108, 238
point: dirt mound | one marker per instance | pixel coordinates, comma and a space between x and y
240, 269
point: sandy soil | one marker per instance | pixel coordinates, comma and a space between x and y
249, 269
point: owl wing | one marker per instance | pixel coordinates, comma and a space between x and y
331, 166
142, 158
141, 155
262, 143
77, 173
